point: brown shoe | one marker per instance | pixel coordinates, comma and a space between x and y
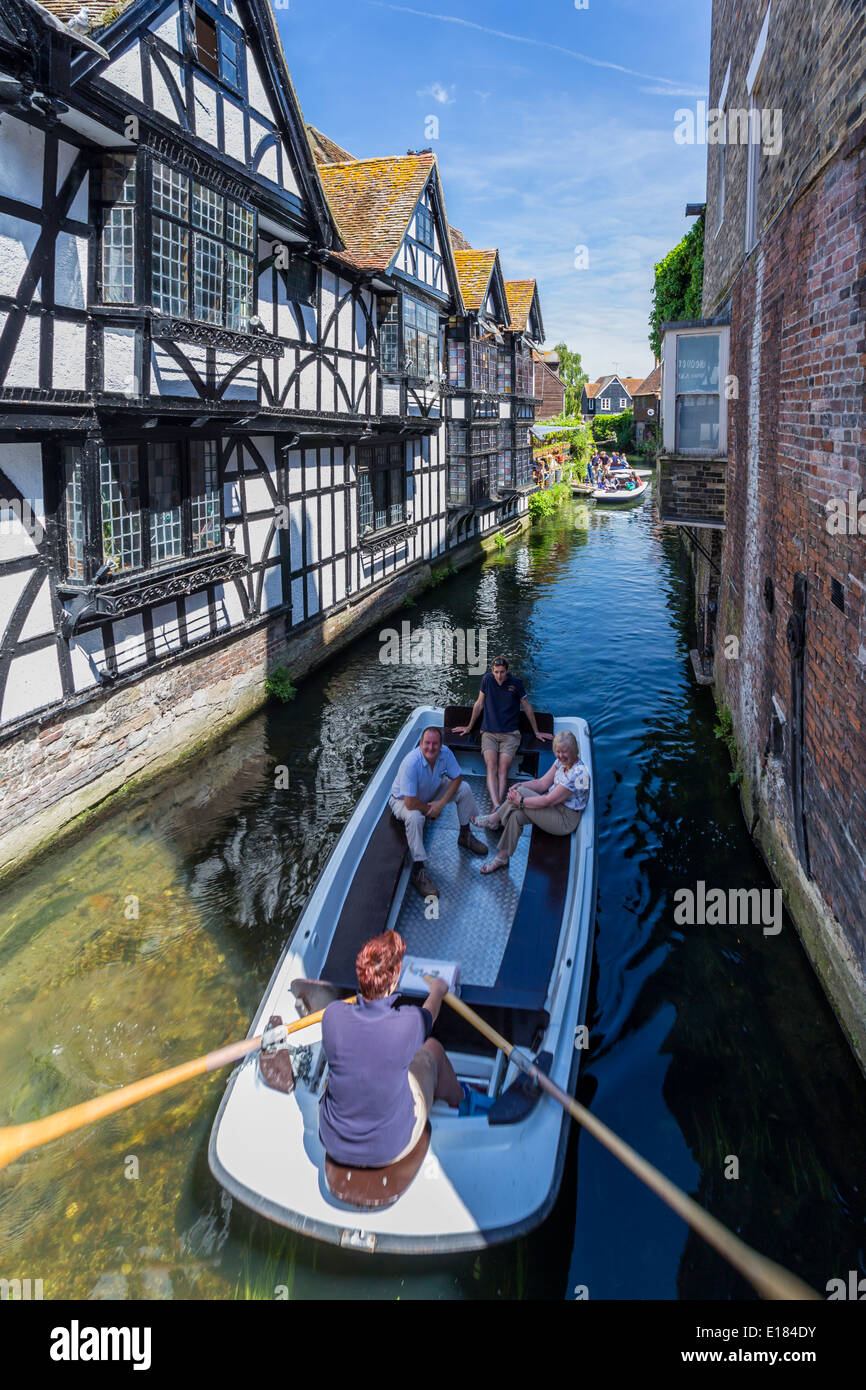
423, 882
466, 840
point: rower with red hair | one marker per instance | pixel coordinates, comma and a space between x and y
384, 1069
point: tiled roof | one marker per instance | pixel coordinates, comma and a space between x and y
519, 295
458, 240
99, 12
597, 388
652, 384
474, 269
372, 201
326, 151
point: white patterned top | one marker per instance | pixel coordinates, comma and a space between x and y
576, 778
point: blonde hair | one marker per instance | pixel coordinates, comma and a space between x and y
566, 739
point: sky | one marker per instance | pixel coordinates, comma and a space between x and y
555, 135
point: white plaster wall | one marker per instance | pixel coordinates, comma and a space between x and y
166, 629
312, 595
125, 72
308, 386
11, 585
167, 25
70, 271
168, 378
205, 111
228, 607
313, 538
258, 99
22, 464
290, 181
296, 478
326, 547
272, 589
243, 387
233, 123
22, 151
297, 601
258, 533
70, 346
33, 683
296, 532
329, 301
88, 658
327, 594
40, 619
162, 101
258, 497
119, 370
390, 400
129, 642
17, 241
197, 619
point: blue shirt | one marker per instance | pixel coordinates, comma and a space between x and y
367, 1113
501, 712
415, 776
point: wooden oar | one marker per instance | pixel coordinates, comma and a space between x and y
16, 1140
767, 1277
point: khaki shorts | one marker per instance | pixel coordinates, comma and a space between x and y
423, 1075
503, 744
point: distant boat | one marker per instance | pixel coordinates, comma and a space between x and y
523, 939
619, 495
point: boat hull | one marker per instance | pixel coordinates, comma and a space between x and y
480, 1184
621, 496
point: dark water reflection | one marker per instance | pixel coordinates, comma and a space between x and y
152, 938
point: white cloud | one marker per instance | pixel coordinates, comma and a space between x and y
444, 95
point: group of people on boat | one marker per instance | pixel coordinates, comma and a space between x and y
429, 777
384, 1069
612, 473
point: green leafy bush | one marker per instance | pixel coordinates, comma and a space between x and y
679, 281
622, 426
546, 503
279, 684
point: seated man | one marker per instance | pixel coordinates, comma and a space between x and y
384, 1069
428, 778
499, 703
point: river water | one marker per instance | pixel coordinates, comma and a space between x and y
712, 1050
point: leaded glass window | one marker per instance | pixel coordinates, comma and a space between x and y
192, 222
389, 328
381, 487
74, 512
120, 493
118, 229
456, 448
457, 362
204, 494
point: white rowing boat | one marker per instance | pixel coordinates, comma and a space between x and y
523, 939
620, 495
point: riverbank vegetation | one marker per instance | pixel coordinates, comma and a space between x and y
679, 283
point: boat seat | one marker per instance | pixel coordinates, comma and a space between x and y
371, 1189
530, 746
368, 901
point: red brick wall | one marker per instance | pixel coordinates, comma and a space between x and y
797, 438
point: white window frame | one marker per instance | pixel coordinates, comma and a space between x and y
669, 387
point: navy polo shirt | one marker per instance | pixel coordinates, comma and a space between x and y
367, 1113
501, 711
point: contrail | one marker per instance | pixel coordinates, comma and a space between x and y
521, 38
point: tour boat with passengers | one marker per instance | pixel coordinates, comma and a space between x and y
522, 939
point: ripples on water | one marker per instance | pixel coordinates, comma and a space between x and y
152, 937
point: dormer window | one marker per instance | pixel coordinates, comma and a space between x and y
217, 48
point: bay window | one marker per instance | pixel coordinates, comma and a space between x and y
408, 337
457, 361
201, 251
118, 229
504, 459
381, 488
456, 450
523, 373
154, 503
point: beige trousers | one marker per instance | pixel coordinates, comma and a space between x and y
557, 820
415, 821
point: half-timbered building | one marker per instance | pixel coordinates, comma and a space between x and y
222, 439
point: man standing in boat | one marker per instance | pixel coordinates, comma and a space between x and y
428, 778
500, 700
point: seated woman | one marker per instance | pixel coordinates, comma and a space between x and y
555, 803
384, 1068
